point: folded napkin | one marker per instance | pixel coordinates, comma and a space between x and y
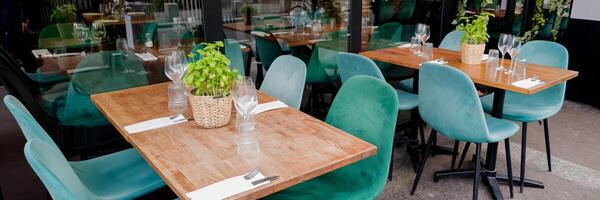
405, 45
226, 188
437, 61
259, 33
146, 56
154, 124
62, 55
281, 33
85, 69
484, 57
528, 83
39, 53
260, 108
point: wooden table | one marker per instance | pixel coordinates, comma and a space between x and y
480, 74
294, 145
242, 27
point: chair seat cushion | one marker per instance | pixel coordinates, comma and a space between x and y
518, 107
406, 85
121, 175
499, 129
327, 186
407, 101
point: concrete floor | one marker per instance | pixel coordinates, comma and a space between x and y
575, 175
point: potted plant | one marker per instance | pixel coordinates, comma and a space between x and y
475, 37
210, 80
65, 13
248, 10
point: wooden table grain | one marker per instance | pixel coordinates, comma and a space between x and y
478, 73
294, 145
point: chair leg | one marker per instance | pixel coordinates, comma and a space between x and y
421, 131
523, 148
464, 153
454, 154
509, 167
547, 137
477, 171
422, 163
391, 170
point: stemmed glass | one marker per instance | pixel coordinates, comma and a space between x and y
98, 31
245, 99
175, 66
178, 29
192, 25
422, 32
80, 32
515, 49
503, 46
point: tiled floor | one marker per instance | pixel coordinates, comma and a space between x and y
575, 175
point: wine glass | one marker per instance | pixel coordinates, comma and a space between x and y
178, 29
192, 25
515, 49
245, 99
169, 72
80, 32
98, 30
179, 64
503, 46
422, 32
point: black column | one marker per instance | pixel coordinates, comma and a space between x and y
354, 26
449, 9
509, 16
212, 20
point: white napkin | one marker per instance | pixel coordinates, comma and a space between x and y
528, 83
154, 124
405, 45
146, 56
437, 61
259, 33
260, 108
85, 69
62, 55
226, 188
484, 57
38, 53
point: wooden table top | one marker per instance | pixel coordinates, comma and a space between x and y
294, 145
478, 73
242, 27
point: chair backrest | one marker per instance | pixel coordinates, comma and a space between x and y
452, 41
29, 126
267, 48
322, 66
233, 52
350, 64
54, 170
58, 31
367, 108
13, 80
448, 102
285, 80
550, 54
390, 31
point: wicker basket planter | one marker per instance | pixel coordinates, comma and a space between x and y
470, 54
210, 112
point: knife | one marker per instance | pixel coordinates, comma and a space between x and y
259, 181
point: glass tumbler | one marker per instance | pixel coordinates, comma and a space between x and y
414, 45
493, 59
428, 51
177, 99
520, 68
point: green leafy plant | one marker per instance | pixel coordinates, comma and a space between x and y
248, 9
210, 75
65, 13
475, 28
538, 21
333, 9
462, 9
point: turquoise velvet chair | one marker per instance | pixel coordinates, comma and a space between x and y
285, 80
539, 106
268, 49
120, 175
385, 36
233, 52
350, 65
450, 42
365, 107
449, 103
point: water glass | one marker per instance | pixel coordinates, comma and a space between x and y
493, 59
504, 44
98, 30
520, 68
427, 51
177, 99
117, 61
414, 45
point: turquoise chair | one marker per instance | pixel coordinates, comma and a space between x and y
321, 73
268, 49
285, 80
120, 175
365, 107
450, 42
449, 103
385, 36
233, 52
539, 106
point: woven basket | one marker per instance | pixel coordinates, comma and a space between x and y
210, 112
470, 54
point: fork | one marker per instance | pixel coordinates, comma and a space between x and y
252, 173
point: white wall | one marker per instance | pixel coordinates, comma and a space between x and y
586, 9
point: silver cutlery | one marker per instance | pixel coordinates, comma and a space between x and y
270, 178
174, 117
252, 173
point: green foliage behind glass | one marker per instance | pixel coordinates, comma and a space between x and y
210, 75
475, 28
65, 13
333, 9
